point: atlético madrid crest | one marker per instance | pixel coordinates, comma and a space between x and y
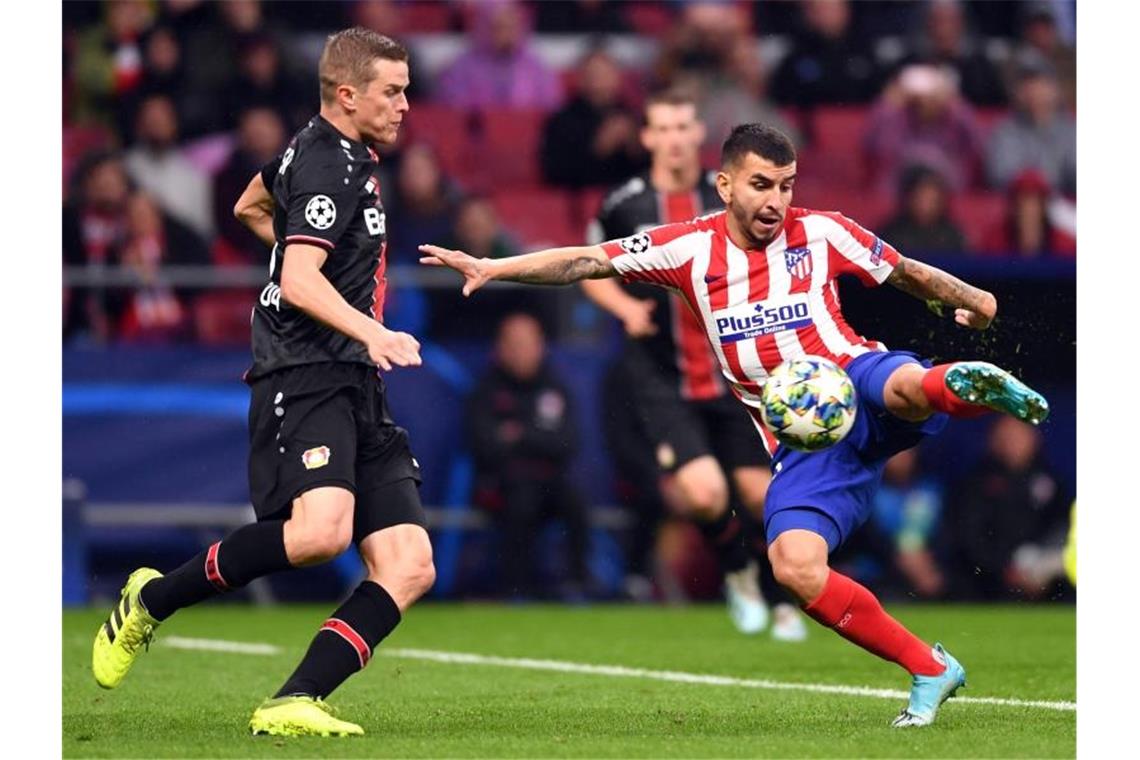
798, 261
314, 458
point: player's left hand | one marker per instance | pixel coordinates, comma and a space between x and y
475, 271
980, 318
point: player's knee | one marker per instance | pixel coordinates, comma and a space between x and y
420, 576
706, 499
802, 573
320, 543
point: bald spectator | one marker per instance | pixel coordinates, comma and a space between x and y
499, 69
158, 167
829, 63
1040, 135
260, 137
945, 41
593, 140
921, 119
523, 436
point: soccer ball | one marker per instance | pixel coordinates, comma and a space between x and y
808, 404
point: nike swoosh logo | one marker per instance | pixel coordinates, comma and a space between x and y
711, 278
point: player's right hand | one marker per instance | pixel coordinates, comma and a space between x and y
638, 319
389, 347
476, 272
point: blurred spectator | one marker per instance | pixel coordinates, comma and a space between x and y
499, 69
261, 136
920, 119
829, 63
479, 232
581, 17
592, 140
907, 510
739, 95
261, 81
945, 42
424, 201
387, 17
523, 435
215, 46
922, 223
108, 62
94, 226
699, 44
1037, 222
157, 166
1041, 35
1010, 499
1039, 135
154, 311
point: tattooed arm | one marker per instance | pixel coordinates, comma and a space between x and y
554, 266
973, 307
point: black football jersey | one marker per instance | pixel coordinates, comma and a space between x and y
680, 349
326, 193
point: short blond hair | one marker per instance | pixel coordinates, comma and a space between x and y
348, 56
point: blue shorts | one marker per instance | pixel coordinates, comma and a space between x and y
829, 492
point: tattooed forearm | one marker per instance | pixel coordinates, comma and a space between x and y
932, 284
559, 266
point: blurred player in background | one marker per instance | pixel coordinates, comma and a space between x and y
327, 467
743, 264
670, 376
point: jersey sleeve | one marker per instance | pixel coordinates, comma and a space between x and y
269, 173
319, 196
855, 250
660, 255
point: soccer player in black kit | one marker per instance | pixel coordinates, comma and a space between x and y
667, 394
327, 467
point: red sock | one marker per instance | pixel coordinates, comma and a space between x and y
855, 614
943, 400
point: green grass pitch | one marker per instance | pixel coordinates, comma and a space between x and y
188, 703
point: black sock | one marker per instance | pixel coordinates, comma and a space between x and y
725, 536
345, 642
248, 553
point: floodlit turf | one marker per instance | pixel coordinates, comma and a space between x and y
179, 703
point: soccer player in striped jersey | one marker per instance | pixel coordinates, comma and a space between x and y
682, 410
743, 266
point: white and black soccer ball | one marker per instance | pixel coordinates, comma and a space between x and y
320, 212
808, 404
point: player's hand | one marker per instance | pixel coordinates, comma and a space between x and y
638, 319
980, 318
388, 348
475, 271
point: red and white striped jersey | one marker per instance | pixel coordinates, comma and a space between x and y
761, 307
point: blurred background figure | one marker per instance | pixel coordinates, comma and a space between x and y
922, 223
424, 200
1038, 135
157, 165
697, 46
262, 80
945, 42
108, 61
1037, 222
260, 137
479, 232
829, 62
899, 553
499, 69
920, 118
523, 435
1011, 499
1042, 36
593, 139
581, 17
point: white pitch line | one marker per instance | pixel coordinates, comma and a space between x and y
219, 645
561, 666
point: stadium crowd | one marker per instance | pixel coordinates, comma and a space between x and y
947, 126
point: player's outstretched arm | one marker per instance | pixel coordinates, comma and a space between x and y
554, 266
973, 307
305, 287
254, 209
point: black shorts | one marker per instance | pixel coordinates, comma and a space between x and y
680, 430
328, 425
